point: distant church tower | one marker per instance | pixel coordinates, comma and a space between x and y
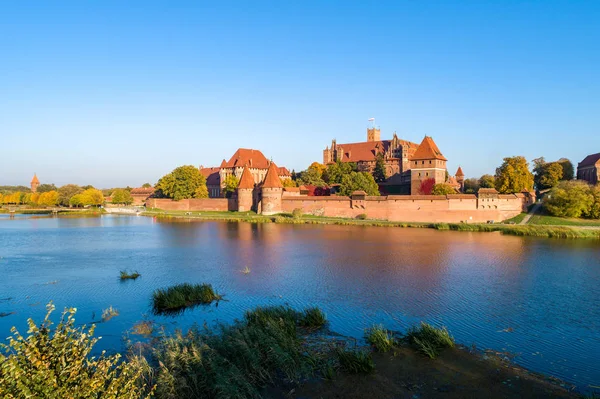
34, 183
373, 134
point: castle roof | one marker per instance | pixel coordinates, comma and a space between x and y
488, 191
590, 160
428, 150
142, 191
459, 172
211, 175
247, 157
272, 178
246, 180
368, 150
35, 180
283, 171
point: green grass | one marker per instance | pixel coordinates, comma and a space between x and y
517, 219
232, 361
313, 318
125, 275
429, 340
380, 338
178, 297
545, 220
355, 361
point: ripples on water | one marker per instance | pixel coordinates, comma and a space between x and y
536, 298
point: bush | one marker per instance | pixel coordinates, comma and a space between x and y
55, 364
570, 199
380, 338
178, 297
362, 216
297, 213
430, 340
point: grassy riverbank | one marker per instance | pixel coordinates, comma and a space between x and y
509, 229
60, 211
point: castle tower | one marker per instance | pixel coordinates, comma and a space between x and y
272, 191
426, 163
245, 191
35, 183
460, 178
373, 134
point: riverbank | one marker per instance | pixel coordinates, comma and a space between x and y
457, 373
509, 229
59, 211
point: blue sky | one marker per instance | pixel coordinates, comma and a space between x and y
117, 93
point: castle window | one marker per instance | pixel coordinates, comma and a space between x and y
429, 162
427, 174
419, 174
422, 162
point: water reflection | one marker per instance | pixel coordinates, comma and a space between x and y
536, 297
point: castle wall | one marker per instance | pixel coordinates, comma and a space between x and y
194, 204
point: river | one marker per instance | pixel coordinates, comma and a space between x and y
537, 299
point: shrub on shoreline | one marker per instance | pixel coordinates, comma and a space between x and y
380, 338
430, 340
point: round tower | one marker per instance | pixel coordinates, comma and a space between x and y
245, 191
272, 192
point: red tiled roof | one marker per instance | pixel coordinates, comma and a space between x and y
272, 178
428, 150
211, 175
35, 179
142, 191
590, 160
244, 156
246, 181
283, 171
459, 172
368, 150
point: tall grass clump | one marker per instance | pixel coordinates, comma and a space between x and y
313, 318
53, 362
181, 296
125, 275
430, 340
380, 338
233, 361
355, 361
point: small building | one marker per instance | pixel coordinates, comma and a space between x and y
589, 169
141, 194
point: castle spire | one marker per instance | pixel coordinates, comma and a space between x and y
272, 178
246, 180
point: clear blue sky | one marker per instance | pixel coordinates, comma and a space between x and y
115, 93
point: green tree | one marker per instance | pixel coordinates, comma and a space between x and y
121, 196
146, 185
231, 182
54, 363
594, 211
487, 181
92, 197
313, 175
181, 183
358, 181
201, 192
379, 173
568, 169
289, 183
66, 192
569, 199
546, 174
76, 200
443, 189
471, 186
44, 188
513, 176
335, 172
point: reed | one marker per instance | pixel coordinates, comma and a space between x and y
430, 340
380, 338
355, 361
313, 318
178, 297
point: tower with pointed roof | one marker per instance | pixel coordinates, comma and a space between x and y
427, 163
245, 191
35, 183
460, 178
271, 192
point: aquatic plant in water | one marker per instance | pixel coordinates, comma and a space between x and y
125, 275
181, 296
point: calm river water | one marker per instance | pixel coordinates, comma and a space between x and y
538, 299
